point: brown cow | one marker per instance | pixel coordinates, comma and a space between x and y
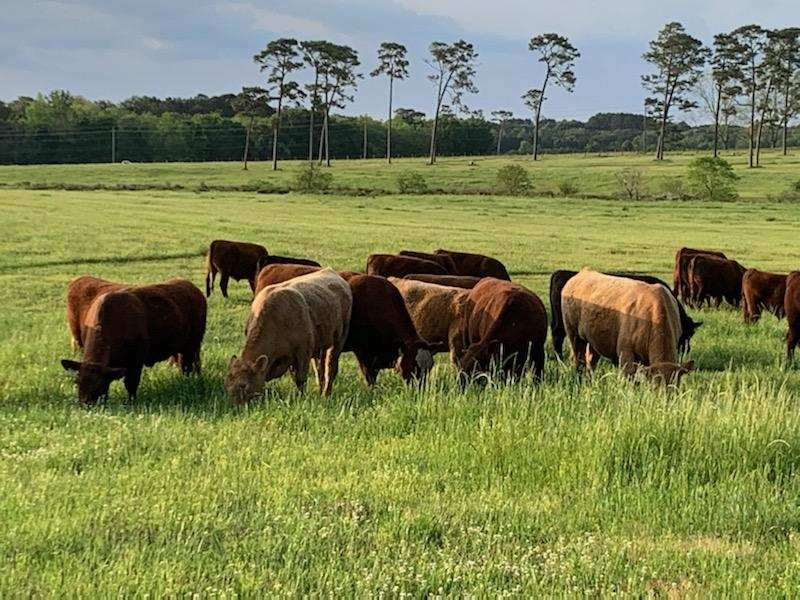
444, 260
505, 324
390, 265
232, 260
713, 278
791, 305
274, 259
476, 265
381, 333
81, 293
680, 279
762, 290
130, 328
459, 281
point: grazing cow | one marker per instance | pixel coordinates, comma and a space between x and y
274, 259
460, 281
505, 324
390, 265
559, 278
381, 333
444, 260
436, 311
232, 260
290, 324
713, 278
476, 265
127, 329
81, 293
632, 323
762, 290
791, 305
680, 274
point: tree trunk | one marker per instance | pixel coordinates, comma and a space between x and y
275, 128
537, 114
389, 123
752, 144
247, 143
436, 121
761, 122
311, 133
499, 138
322, 135
716, 120
786, 118
327, 139
365, 137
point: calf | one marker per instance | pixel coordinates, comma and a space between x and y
381, 333
460, 281
127, 329
81, 293
714, 278
232, 260
680, 273
505, 324
762, 290
476, 265
444, 260
389, 265
791, 305
290, 324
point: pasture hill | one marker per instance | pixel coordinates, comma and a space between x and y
573, 486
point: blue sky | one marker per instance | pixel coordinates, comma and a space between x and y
112, 49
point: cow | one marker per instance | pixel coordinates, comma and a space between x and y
390, 265
381, 333
476, 265
232, 260
505, 325
460, 281
713, 278
762, 290
274, 259
680, 279
81, 293
632, 323
126, 329
791, 306
290, 324
436, 311
559, 278
444, 260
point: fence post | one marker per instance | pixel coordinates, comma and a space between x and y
113, 145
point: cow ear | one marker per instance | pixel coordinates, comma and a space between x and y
261, 363
688, 366
70, 365
697, 324
231, 361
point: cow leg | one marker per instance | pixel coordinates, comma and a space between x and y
627, 362
456, 343
133, 376
537, 358
558, 343
331, 368
370, 374
579, 347
319, 369
252, 283
223, 284
792, 336
592, 357
300, 371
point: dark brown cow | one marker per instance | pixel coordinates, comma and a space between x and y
391, 265
715, 279
232, 260
81, 292
444, 260
381, 330
762, 290
506, 325
459, 281
476, 265
680, 279
274, 259
791, 306
127, 329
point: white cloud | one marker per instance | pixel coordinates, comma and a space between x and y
152, 43
274, 21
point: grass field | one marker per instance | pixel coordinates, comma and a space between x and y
593, 175
600, 487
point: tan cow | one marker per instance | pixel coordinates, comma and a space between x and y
436, 311
632, 323
290, 324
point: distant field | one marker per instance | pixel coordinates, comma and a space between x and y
601, 488
592, 174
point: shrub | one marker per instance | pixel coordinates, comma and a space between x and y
795, 187
411, 182
311, 178
631, 183
712, 178
513, 180
567, 188
672, 188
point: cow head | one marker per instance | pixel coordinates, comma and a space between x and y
92, 379
245, 379
415, 363
668, 373
480, 356
688, 333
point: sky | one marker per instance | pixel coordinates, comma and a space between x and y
113, 49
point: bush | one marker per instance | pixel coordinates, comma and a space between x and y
672, 188
513, 180
567, 188
795, 187
631, 183
712, 178
411, 182
311, 178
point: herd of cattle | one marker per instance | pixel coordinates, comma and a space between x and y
404, 309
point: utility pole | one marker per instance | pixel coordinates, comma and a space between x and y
113, 145
365, 136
